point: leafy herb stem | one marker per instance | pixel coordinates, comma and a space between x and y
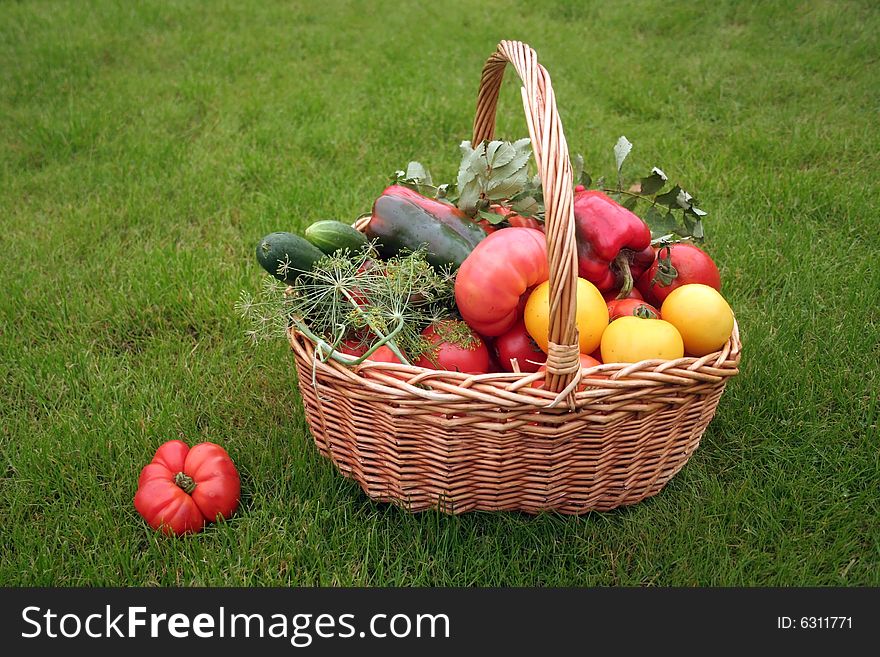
616, 190
383, 339
329, 351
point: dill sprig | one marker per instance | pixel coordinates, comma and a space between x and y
267, 312
358, 298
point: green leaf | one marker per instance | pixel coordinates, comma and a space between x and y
585, 179
513, 169
653, 183
630, 202
492, 171
577, 167
469, 194
534, 193
416, 172
503, 190
688, 226
692, 206
660, 223
492, 217
621, 149
517, 162
684, 200
499, 153
670, 198
465, 174
527, 206
491, 148
476, 161
506, 186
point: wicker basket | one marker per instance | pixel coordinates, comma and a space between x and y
588, 440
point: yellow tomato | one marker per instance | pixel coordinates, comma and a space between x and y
701, 315
591, 319
632, 339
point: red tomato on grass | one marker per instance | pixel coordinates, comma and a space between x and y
181, 489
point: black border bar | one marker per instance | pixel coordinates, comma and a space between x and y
497, 619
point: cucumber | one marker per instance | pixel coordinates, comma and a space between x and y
446, 213
330, 236
286, 256
400, 225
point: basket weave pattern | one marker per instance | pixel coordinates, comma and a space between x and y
425, 439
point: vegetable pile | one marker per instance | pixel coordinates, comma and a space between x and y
455, 276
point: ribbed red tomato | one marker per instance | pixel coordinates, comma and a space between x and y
497, 273
181, 488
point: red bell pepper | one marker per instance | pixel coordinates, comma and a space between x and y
613, 244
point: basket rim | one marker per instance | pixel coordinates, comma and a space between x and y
511, 389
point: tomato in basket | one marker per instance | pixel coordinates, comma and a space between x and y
591, 317
618, 308
497, 273
612, 295
456, 348
701, 315
383, 355
674, 266
586, 363
632, 339
518, 345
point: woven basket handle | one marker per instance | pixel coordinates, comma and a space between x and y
554, 167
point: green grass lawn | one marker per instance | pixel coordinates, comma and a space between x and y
146, 147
